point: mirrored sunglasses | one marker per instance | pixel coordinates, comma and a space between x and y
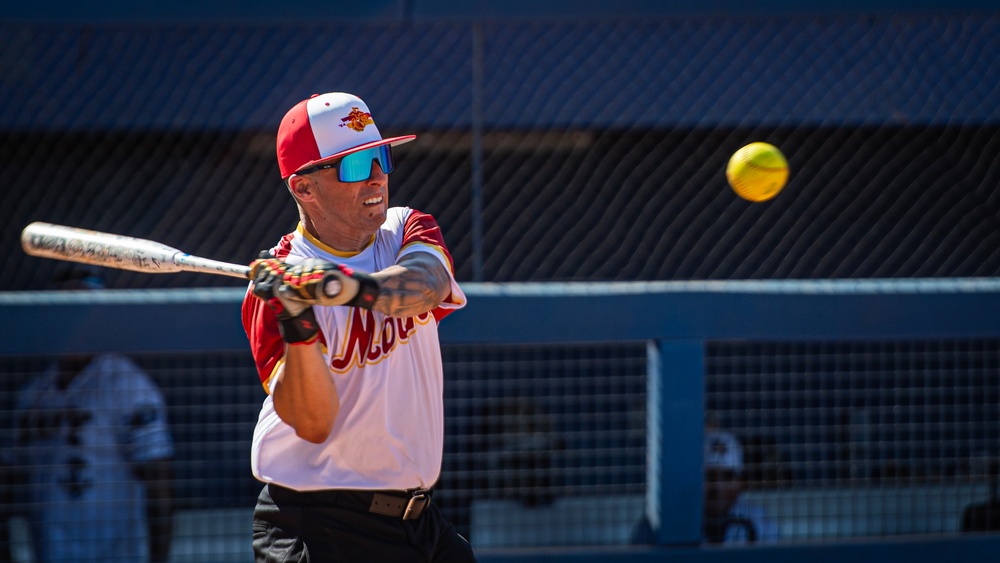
357, 166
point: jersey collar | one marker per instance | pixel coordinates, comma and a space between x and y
329, 249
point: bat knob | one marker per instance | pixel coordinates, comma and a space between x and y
332, 286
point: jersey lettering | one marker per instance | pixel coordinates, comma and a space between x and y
49, 424
74, 478
62, 428
365, 343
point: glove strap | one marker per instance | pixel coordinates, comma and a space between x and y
295, 330
367, 293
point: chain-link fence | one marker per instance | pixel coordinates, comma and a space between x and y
546, 150
554, 151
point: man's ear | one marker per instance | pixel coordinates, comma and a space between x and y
301, 187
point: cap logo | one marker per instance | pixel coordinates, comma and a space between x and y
719, 447
357, 120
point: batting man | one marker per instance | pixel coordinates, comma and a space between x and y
349, 438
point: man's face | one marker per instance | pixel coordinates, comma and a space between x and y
359, 206
722, 487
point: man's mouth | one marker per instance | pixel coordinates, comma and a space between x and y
373, 201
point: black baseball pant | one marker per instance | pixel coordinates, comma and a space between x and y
337, 527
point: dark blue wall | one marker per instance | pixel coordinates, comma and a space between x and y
386, 11
654, 73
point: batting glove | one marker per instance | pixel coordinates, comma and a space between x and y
311, 282
296, 319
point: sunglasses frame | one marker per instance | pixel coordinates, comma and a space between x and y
382, 154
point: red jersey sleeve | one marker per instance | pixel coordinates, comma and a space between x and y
421, 228
266, 344
261, 325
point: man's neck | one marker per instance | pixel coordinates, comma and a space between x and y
333, 235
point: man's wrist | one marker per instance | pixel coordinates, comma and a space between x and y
301, 329
368, 290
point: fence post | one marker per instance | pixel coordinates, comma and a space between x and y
675, 431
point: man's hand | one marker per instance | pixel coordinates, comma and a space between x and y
292, 291
296, 319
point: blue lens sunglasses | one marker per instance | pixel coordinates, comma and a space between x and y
357, 166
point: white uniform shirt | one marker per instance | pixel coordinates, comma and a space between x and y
80, 446
389, 432
746, 516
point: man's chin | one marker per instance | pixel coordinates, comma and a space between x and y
378, 215
716, 509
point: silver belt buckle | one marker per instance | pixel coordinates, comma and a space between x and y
416, 506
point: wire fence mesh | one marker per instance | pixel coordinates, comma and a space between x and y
548, 151
554, 151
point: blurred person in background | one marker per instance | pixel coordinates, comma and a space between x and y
727, 516
985, 516
90, 462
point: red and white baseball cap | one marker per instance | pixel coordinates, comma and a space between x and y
326, 127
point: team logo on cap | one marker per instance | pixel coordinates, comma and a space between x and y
719, 447
357, 120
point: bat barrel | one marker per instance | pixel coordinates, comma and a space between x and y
100, 249
116, 251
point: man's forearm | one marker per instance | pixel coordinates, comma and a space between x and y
417, 284
161, 528
158, 477
305, 396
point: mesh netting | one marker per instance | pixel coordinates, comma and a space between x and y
546, 445
547, 151
531, 431
561, 151
863, 438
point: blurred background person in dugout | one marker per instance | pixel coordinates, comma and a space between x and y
727, 517
89, 461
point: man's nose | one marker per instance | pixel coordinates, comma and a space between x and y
377, 175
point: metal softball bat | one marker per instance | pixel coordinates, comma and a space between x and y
116, 251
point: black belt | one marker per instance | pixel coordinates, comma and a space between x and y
405, 505
398, 506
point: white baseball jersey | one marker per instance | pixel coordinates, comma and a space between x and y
746, 516
389, 432
80, 445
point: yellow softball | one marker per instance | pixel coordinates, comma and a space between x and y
757, 172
